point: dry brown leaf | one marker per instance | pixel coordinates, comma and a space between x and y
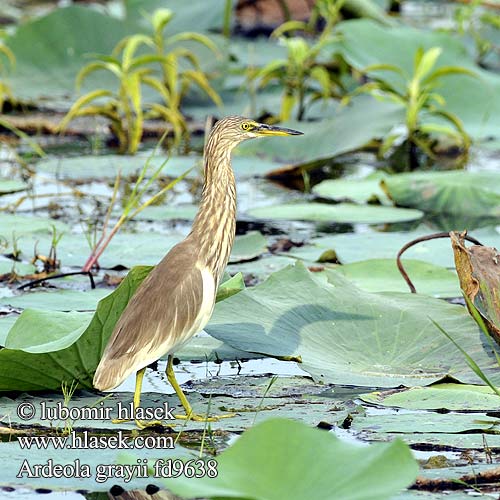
478, 269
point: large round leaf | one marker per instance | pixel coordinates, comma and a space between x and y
356, 190
382, 275
453, 192
24, 224
58, 300
324, 469
348, 336
353, 247
456, 397
342, 212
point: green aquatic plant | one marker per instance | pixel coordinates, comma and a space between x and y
305, 74
132, 205
475, 20
124, 107
420, 99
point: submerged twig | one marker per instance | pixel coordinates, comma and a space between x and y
31, 284
428, 237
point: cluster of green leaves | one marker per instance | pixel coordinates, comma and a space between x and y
304, 73
125, 106
419, 97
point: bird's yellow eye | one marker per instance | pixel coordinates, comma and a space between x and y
246, 126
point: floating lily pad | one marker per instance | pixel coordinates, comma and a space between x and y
145, 248
452, 192
430, 422
472, 441
248, 247
21, 268
58, 300
354, 247
450, 396
161, 212
6, 323
108, 166
382, 275
24, 224
347, 336
260, 269
342, 212
356, 190
91, 167
9, 186
46, 331
275, 448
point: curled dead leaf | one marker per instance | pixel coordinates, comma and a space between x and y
478, 269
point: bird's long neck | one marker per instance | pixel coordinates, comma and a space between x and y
214, 226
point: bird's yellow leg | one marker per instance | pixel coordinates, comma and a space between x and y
190, 415
142, 424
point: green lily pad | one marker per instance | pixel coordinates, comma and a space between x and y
11, 186
24, 224
63, 47
260, 269
248, 247
472, 441
382, 275
130, 249
209, 14
355, 190
21, 268
6, 323
58, 300
452, 192
108, 166
342, 212
46, 331
450, 396
275, 448
348, 336
91, 167
167, 212
429, 422
354, 247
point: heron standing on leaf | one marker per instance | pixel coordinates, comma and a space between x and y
177, 298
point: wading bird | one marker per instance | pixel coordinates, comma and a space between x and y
177, 298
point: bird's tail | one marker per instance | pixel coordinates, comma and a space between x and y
110, 373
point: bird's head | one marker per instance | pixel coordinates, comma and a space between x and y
235, 129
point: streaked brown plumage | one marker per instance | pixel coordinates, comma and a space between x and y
177, 298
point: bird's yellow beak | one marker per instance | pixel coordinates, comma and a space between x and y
266, 130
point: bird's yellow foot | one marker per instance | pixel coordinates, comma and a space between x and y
203, 418
142, 424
